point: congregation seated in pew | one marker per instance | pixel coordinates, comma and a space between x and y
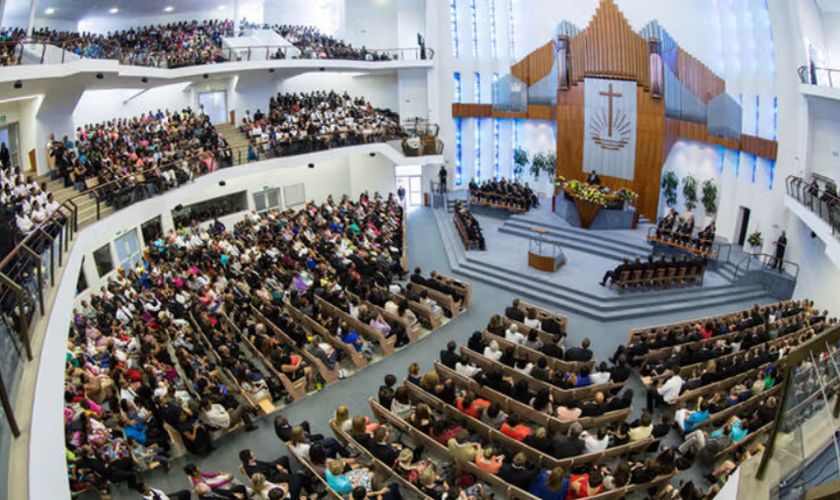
655, 272
503, 192
468, 227
672, 229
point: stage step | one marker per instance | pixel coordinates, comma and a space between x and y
608, 239
617, 301
636, 306
568, 241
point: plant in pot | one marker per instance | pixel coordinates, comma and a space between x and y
670, 182
755, 240
709, 198
520, 161
537, 165
690, 193
550, 169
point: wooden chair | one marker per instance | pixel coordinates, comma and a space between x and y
669, 277
647, 279
636, 280
622, 280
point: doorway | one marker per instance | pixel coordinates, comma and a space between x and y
744, 224
215, 105
413, 185
9, 137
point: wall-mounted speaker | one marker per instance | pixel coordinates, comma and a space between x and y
222, 183
311, 165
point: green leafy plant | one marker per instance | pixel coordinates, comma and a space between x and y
628, 195
520, 161
756, 240
550, 165
709, 198
690, 192
670, 182
538, 165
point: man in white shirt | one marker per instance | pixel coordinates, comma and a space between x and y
666, 392
512, 334
216, 416
22, 221
601, 376
149, 493
466, 368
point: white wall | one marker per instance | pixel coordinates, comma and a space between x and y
831, 32
413, 93
700, 160
411, 19
249, 9
373, 174
818, 276
326, 15
96, 106
380, 90
370, 23
823, 136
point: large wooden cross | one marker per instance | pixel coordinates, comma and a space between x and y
611, 95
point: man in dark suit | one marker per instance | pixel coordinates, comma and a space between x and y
514, 312
615, 273
276, 472
581, 353
449, 357
593, 179
594, 408
383, 450
620, 402
620, 372
417, 277
551, 325
568, 445
518, 472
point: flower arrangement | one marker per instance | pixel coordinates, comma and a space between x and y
627, 195
593, 195
756, 240
575, 186
559, 181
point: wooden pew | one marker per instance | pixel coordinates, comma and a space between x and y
346, 439
334, 495
310, 324
543, 313
534, 355
386, 416
462, 232
391, 319
510, 405
462, 286
424, 313
739, 408
328, 375
296, 390
365, 330
753, 436
443, 300
547, 338
560, 395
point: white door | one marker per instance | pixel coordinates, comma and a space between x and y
215, 105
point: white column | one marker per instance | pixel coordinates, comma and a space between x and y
2, 11
235, 17
31, 23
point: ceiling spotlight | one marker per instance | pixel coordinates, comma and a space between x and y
49, 11
168, 9
114, 10
222, 7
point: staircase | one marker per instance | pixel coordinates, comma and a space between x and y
86, 204
236, 140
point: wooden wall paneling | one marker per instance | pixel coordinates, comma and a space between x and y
535, 66
698, 78
650, 141
759, 147
672, 134
570, 132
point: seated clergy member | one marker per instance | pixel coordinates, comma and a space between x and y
613, 274
666, 225
593, 179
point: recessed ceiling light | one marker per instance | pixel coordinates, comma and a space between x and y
168, 9
222, 7
114, 10
49, 11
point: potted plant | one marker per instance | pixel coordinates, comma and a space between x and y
537, 165
690, 193
670, 182
755, 240
709, 198
520, 161
628, 196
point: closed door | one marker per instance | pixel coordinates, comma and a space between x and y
215, 105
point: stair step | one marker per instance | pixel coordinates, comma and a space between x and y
574, 243
545, 295
600, 236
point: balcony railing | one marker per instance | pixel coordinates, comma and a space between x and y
49, 52
818, 199
812, 75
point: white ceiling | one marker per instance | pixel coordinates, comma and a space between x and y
80, 9
829, 6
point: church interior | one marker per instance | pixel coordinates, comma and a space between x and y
419, 249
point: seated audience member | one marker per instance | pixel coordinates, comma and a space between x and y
641, 429
514, 429
582, 353
343, 482
551, 485
492, 351
518, 472
512, 334
569, 445
449, 357
488, 461
215, 415
219, 485
461, 448
514, 312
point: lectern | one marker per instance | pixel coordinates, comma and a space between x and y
544, 255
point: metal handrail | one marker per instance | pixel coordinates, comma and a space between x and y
819, 201
809, 75
111, 48
765, 259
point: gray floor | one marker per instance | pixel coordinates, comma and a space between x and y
426, 251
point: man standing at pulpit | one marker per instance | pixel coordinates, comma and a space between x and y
593, 179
